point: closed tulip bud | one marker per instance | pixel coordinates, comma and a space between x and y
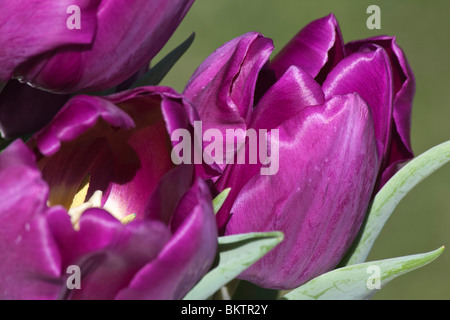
342, 114
83, 45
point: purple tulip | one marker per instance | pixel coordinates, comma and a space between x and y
100, 193
83, 45
343, 117
375, 68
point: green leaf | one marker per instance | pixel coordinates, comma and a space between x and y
4, 143
391, 194
220, 199
235, 254
155, 75
360, 281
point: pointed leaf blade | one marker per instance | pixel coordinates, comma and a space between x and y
360, 281
235, 254
155, 75
390, 196
220, 199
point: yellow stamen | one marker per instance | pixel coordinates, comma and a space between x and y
79, 204
80, 196
128, 218
75, 212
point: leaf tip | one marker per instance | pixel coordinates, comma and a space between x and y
220, 199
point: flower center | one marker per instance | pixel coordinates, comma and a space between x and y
80, 205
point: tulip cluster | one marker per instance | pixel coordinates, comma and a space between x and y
96, 187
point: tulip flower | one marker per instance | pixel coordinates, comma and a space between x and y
375, 68
83, 45
96, 190
342, 112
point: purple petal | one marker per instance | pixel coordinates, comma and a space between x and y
107, 252
404, 89
293, 92
80, 114
65, 173
24, 109
368, 73
224, 84
188, 255
128, 36
141, 157
31, 27
30, 264
317, 48
327, 170
72, 144
125, 163
171, 189
179, 113
222, 88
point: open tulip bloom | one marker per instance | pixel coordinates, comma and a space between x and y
89, 196
280, 171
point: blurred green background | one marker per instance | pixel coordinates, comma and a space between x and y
421, 222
